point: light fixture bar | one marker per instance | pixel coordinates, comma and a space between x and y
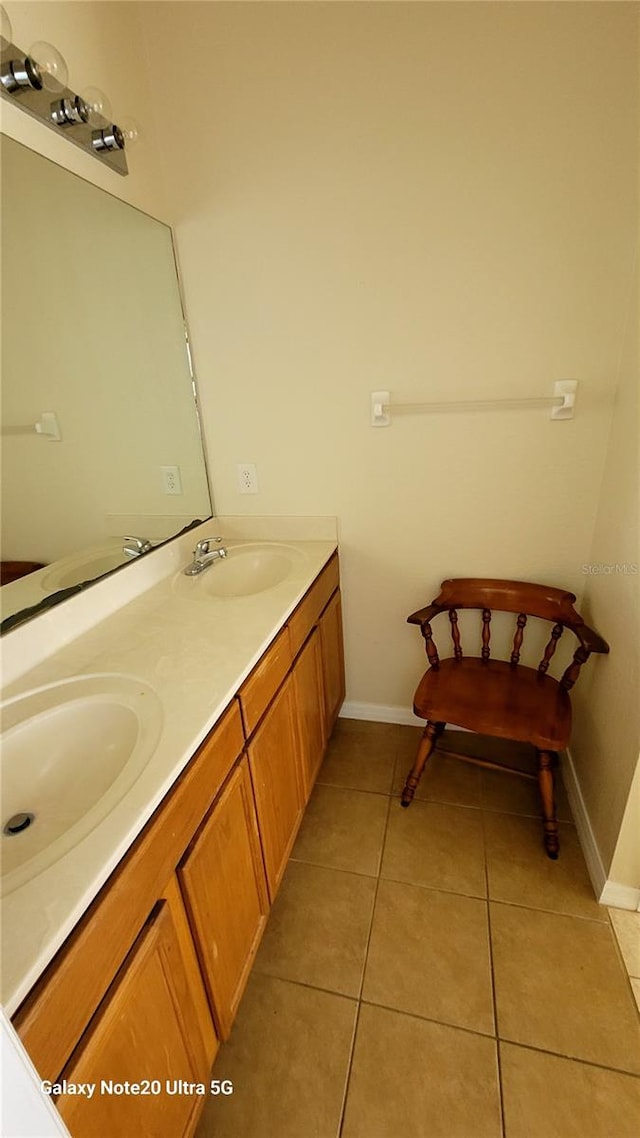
61, 110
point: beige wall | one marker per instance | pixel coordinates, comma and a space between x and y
606, 737
434, 198
102, 45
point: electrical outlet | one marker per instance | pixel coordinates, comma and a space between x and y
247, 478
171, 481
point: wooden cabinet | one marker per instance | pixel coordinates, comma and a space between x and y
147, 1033
222, 879
152, 976
309, 701
277, 783
330, 626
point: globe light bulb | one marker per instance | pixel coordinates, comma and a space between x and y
98, 103
51, 65
131, 130
6, 33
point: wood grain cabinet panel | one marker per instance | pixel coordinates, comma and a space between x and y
259, 689
146, 1032
222, 881
330, 627
277, 783
309, 701
308, 611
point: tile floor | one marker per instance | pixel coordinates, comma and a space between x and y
429, 973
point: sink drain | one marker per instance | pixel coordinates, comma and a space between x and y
17, 824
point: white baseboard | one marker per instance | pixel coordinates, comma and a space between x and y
619, 896
608, 892
380, 713
595, 865
385, 713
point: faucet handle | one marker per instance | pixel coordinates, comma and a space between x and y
134, 546
203, 545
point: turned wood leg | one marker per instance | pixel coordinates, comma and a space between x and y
546, 763
428, 741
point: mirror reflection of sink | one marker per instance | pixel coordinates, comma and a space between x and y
70, 752
247, 569
84, 566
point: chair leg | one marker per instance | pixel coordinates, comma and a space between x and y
546, 763
427, 743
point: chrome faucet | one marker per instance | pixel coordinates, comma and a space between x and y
203, 556
136, 546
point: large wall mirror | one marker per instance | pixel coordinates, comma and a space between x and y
94, 351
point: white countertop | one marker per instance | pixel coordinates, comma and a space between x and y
194, 650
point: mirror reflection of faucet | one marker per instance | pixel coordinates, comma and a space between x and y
203, 555
136, 546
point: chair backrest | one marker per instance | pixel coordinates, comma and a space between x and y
521, 597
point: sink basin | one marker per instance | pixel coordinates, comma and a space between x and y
247, 569
84, 566
70, 752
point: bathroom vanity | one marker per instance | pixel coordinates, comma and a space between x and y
149, 925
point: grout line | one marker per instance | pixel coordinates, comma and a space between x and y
551, 912
364, 968
494, 997
429, 1019
569, 1058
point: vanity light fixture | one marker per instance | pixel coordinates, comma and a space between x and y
29, 80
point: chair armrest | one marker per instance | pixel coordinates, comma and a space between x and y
424, 615
590, 640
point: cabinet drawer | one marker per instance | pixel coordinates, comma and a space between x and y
310, 607
259, 689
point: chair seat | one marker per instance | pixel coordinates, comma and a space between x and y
492, 697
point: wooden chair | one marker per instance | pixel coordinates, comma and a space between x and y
502, 697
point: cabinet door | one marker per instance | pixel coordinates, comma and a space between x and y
330, 626
146, 1032
309, 697
222, 880
277, 783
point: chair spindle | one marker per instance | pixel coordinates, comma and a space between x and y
569, 678
556, 633
455, 634
517, 640
432, 651
486, 633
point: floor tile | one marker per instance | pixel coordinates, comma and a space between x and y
357, 726
545, 1095
288, 1059
515, 795
362, 761
429, 955
561, 987
444, 780
435, 845
520, 872
635, 988
318, 928
414, 1079
508, 752
343, 829
626, 925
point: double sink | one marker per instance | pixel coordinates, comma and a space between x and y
71, 750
